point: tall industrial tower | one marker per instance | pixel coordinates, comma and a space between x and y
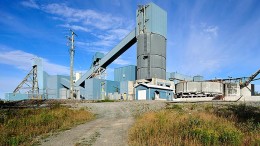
151, 31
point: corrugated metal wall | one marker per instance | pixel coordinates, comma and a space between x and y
150, 93
156, 20
151, 42
54, 85
126, 73
151, 56
97, 89
127, 90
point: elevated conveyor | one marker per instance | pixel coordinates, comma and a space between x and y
125, 44
65, 82
250, 79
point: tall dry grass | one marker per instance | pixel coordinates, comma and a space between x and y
188, 126
21, 126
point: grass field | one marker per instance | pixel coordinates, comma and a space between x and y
22, 126
198, 124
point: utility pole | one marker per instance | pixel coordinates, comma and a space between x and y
72, 52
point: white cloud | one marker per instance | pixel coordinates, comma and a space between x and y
121, 61
211, 30
87, 17
93, 47
106, 41
22, 60
110, 38
8, 88
17, 58
75, 27
107, 28
30, 4
54, 69
119, 33
112, 35
201, 53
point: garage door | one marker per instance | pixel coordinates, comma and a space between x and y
142, 95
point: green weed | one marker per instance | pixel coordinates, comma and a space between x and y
186, 125
21, 126
176, 107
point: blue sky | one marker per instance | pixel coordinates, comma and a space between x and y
207, 37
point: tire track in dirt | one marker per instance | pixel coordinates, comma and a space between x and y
110, 128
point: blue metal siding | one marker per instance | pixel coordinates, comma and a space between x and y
89, 89
164, 94
96, 89
52, 87
40, 74
112, 86
45, 77
126, 73
157, 20
59, 85
150, 93
14, 97
141, 88
124, 87
92, 90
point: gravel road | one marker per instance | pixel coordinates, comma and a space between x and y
110, 128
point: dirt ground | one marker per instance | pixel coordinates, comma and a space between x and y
110, 128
